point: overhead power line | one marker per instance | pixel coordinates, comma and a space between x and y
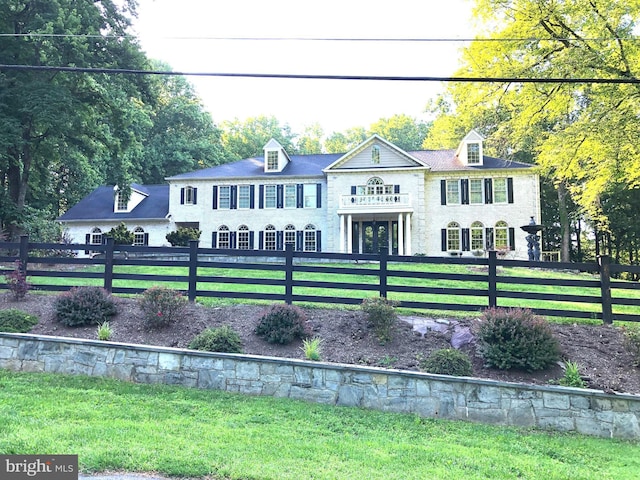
114, 71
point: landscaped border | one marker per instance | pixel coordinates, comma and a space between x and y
589, 412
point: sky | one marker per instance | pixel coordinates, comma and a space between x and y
186, 35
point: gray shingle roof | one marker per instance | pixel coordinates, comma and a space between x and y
98, 205
446, 161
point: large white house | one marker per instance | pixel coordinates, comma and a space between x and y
431, 202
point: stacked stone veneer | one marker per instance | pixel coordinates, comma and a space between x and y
588, 412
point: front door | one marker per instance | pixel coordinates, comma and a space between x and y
375, 236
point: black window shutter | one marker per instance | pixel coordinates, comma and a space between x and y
279, 240
214, 239
488, 190
234, 197
215, 197
252, 196
146, 239
260, 240
260, 196
318, 241
195, 196
464, 186
396, 189
232, 240
299, 195
87, 240
251, 237
280, 196
512, 238
443, 238
353, 189
299, 240
510, 190
443, 192
489, 238
182, 196
465, 240
318, 195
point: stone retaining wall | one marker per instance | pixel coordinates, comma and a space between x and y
588, 412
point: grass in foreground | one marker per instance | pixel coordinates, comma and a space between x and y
185, 432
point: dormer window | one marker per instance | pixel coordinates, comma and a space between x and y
473, 153
122, 203
272, 161
375, 155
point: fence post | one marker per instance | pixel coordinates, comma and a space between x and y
384, 259
605, 288
193, 269
492, 287
288, 274
108, 265
24, 253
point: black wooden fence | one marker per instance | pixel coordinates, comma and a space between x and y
416, 282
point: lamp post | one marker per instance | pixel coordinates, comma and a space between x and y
533, 240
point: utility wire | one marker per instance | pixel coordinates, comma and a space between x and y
46, 68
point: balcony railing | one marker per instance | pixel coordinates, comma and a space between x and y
381, 200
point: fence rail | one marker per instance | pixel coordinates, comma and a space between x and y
332, 278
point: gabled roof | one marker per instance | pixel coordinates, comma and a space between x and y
98, 205
299, 166
375, 138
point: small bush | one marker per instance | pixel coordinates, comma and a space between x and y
382, 317
16, 321
448, 361
516, 338
121, 235
282, 324
632, 341
222, 339
105, 332
182, 236
572, 377
312, 349
161, 306
17, 282
84, 306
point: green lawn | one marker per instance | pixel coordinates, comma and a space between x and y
186, 432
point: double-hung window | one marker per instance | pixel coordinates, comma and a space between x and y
244, 196
453, 192
501, 239
310, 196
476, 192
224, 197
310, 238
270, 237
290, 196
500, 190
243, 237
453, 237
224, 237
270, 196
477, 236
473, 153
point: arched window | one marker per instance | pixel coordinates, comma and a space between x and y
477, 236
310, 242
453, 237
188, 195
501, 238
375, 155
290, 235
270, 237
243, 238
224, 237
96, 236
139, 237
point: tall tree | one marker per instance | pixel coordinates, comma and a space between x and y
401, 130
56, 124
310, 141
583, 134
343, 142
247, 139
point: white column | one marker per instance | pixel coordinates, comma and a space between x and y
400, 234
341, 233
349, 234
408, 235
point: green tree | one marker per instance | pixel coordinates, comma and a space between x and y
64, 132
343, 142
247, 139
182, 136
310, 141
401, 130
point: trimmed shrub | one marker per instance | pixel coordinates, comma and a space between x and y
448, 361
182, 236
516, 338
161, 306
282, 324
17, 282
84, 306
13, 320
382, 317
121, 235
222, 339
